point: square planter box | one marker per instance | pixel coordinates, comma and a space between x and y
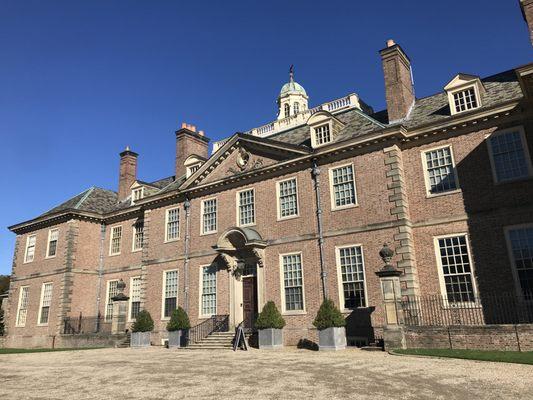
332, 339
177, 339
270, 338
140, 339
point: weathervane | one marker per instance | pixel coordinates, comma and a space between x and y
291, 72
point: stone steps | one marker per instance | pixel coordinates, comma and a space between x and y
216, 340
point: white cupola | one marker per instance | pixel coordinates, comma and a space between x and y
292, 98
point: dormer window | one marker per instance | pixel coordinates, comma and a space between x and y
465, 100
324, 127
322, 134
193, 164
193, 168
137, 194
464, 93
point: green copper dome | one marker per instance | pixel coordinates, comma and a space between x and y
292, 88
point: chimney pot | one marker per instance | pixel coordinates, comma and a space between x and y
183, 125
390, 43
189, 142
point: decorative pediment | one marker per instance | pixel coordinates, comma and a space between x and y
240, 155
461, 80
465, 93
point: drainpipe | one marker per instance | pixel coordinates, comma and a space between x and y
100, 270
187, 207
315, 172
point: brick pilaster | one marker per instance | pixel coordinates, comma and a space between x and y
12, 299
399, 209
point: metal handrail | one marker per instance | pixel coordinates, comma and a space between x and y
216, 323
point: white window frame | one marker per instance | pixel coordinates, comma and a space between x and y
134, 233
238, 204
451, 99
130, 301
525, 147
49, 240
201, 315
41, 301
426, 172
108, 286
314, 142
167, 240
202, 231
27, 248
278, 198
339, 276
135, 190
440, 269
284, 310
111, 240
191, 169
163, 288
516, 278
334, 207
25, 288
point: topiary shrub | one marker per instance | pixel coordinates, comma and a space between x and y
179, 320
270, 317
143, 323
328, 316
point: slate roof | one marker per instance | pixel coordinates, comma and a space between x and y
94, 199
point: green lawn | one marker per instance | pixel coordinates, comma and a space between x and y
14, 351
518, 357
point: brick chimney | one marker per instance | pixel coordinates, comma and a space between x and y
527, 12
399, 90
127, 173
189, 142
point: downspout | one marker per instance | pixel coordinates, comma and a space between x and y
100, 271
187, 207
315, 172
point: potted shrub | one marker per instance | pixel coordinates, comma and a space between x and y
141, 328
270, 323
177, 328
330, 324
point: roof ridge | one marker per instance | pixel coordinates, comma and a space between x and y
80, 202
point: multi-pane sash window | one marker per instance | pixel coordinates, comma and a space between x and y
209, 290
288, 198
209, 216
343, 186
465, 100
293, 282
138, 235
53, 235
509, 156
521, 241
137, 194
246, 207
112, 291
170, 293
29, 254
116, 238
22, 311
322, 135
286, 110
353, 277
173, 224
135, 295
440, 170
296, 108
456, 269
46, 300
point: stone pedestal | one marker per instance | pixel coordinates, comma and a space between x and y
120, 309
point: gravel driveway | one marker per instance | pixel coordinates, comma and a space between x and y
159, 373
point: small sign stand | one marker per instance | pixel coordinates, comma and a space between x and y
240, 340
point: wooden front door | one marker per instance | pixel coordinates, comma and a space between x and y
249, 301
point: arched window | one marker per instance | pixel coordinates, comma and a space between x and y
296, 108
287, 110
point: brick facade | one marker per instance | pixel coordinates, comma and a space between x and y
393, 206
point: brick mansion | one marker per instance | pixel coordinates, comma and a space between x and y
297, 210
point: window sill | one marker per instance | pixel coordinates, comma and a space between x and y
288, 217
42, 325
136, 251
172, 240
289, 313
114, 255
514, 180
347, 207
246, 225
49, 257
432, 195
208, 233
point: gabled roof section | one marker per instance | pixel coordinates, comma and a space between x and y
254, 153
460, 80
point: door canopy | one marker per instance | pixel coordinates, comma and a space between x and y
236, 239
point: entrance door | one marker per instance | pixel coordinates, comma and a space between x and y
249, 301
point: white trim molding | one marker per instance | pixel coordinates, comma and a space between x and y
425, 170
340, 282
334, 207
278, 199
284, 310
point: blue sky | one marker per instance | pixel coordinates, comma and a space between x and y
80, 80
